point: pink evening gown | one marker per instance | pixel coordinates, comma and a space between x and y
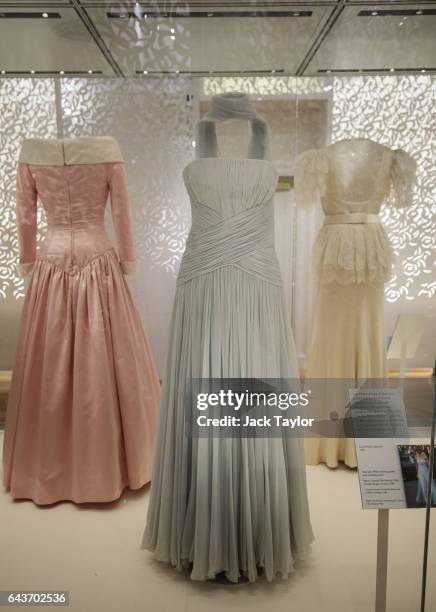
83, 403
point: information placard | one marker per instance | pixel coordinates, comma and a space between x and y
378, 463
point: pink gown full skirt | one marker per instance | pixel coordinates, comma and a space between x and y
81, 416
82, 410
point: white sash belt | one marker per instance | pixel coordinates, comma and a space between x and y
351, 218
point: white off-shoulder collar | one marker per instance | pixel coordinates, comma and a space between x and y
70, 151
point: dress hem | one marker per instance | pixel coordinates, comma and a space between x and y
106, 500
183, 564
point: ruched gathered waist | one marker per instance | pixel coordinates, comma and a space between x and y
244, 240
346, 218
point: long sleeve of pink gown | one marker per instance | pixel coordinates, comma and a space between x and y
26, 201
121, 217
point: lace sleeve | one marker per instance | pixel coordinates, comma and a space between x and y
310, 178
403, 178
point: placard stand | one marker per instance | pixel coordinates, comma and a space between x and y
408, 332
429, 496
382, 560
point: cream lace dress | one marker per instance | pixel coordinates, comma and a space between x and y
352, 259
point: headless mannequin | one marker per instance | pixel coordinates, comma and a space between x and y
232, 106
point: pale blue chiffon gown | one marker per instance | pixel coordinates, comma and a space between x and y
228, 505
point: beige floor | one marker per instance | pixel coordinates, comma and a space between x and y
94, 553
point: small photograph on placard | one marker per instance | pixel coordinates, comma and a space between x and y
415, 468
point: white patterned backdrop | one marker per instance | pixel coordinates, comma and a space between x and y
27, 110
152, 120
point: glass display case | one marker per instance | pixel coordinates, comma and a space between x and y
321, 75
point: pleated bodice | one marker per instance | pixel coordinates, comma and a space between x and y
232, 218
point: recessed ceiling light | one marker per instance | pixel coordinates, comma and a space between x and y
45, 15
177, 71
172, 30
89, 71
374, 13
32, 72
391, 69
145, 72
423, 70
419, 12
3, 71
328, 71
296, 14
210, 14
401, 23
145, 16
172, 37
61, 72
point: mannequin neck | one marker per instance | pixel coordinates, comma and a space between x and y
227, 107
231, 105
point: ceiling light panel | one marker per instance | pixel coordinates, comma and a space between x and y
160, 43
31, 5
361, 39
5, 14
373, 12
142, 13
210, 5
48, 45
